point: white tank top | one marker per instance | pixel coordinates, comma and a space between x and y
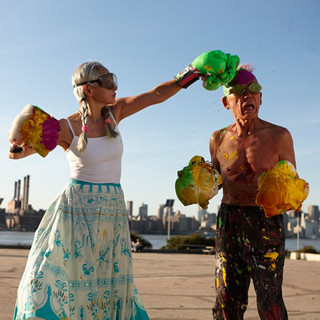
101, 161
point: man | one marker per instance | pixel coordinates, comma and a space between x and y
248, 244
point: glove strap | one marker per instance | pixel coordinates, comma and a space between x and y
187, 76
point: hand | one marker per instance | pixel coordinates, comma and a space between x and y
19, 152
15, 148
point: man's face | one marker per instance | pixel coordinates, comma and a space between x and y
244, 106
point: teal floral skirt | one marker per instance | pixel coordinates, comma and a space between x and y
80, 263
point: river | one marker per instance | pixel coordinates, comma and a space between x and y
158, 241
25, 238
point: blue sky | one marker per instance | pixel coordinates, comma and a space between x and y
145, 43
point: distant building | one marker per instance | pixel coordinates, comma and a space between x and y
3, 225
143, 211
208, 224
130, 208
180, 224
20, 214
208, 220
201, 212
161, 211
314, 212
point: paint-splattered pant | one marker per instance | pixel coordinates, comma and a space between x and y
248, 245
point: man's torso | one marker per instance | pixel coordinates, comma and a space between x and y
243, 158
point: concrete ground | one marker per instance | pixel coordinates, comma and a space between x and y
180, 286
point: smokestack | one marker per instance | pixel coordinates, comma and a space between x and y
26, 192
15, 190
18, 190
23, 193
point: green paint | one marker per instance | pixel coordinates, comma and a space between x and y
220, 222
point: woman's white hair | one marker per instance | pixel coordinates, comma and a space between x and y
85, 72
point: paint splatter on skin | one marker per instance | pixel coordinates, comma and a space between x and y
231, 138
223, 131
234, 154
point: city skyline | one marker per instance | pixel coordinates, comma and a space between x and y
39, 55
142, 209
20, 215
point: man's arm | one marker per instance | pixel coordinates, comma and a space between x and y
286, 150
214, 143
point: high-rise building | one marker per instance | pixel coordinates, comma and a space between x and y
129, 208
314, 212
160, 211
201, 212
143, 210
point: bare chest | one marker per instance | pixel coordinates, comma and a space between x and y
242, 159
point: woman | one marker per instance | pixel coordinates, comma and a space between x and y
80, 264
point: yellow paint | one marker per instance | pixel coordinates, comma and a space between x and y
223, 258
273, 266
104, 234
217, 282
233, 154
267, 238
224, 274
272, 255
232, 138
208, 67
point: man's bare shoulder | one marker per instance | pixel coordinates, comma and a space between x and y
218, 135
273, 128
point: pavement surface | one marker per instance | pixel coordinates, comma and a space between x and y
180, 286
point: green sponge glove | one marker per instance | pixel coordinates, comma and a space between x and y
219, 67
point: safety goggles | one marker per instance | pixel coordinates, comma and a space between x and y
105, 80
239, 89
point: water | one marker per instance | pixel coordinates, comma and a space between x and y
157, 241
16, 238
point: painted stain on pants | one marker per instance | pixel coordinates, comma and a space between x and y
249, 246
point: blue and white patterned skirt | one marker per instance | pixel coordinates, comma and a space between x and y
80, 263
